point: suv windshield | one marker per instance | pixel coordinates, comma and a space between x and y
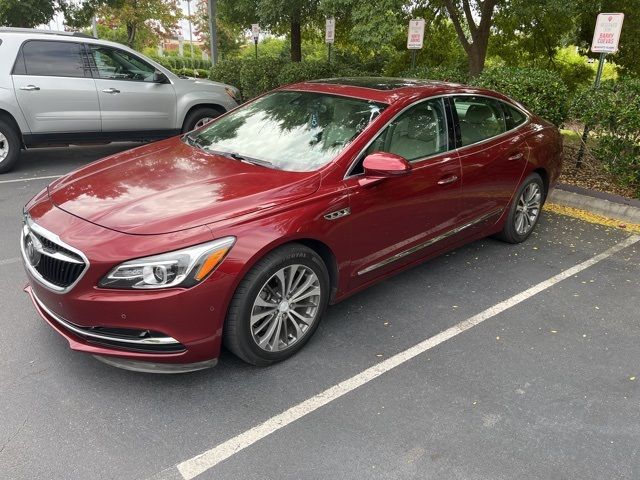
288, 130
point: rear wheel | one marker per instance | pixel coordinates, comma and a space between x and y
9, 146
199, 118
277, 306
525, 210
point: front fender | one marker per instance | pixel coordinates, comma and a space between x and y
189, 100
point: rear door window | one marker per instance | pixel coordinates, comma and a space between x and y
53, 59
480, 118
513, 117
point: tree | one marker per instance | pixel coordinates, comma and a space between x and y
229, 36
473, 36
28, 13
148, 18
529, 32
278, 16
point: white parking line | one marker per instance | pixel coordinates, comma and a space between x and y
9, 261
197, 465
30, 178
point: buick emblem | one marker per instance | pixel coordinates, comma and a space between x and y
32, 247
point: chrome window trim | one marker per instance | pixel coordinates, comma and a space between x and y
457, 150
430, 242
84, 333
31, 225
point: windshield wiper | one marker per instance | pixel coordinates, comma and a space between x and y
195, 142
256, 161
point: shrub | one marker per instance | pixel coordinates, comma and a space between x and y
259, 75
227, 71
613, 113
443, 74
539, 90
300, 71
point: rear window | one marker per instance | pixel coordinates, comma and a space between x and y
513, 116
54, 59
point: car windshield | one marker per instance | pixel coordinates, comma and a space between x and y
289, 130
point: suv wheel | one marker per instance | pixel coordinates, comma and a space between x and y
199, 118
9, 146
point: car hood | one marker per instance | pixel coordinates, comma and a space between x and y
169, 186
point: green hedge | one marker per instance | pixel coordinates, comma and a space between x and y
541, 91
613, 112
443, 74
256, 76
174, 63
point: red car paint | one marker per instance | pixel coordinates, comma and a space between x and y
168, 195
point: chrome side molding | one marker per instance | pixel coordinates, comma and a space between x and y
430, 242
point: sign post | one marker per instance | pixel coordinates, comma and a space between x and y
330, 35
415, 38
255, 33
606, 37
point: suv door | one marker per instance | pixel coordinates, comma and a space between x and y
130, 99
493, 154
395, 221
54, 87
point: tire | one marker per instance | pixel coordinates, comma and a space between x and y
9, 146
261, 298
192, 120
525, 210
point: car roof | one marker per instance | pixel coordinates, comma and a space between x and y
387, 89
40, 34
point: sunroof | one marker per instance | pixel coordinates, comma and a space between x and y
378, 83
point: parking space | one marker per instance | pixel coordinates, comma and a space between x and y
544, 389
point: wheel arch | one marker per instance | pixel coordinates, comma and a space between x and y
198, 106
545, 178
7, 116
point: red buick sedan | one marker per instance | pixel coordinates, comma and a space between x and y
244, 231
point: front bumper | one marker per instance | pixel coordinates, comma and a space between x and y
175, 328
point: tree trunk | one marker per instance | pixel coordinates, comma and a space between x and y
131, 35
476, 56
296, 37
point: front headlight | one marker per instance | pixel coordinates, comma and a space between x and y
181, 268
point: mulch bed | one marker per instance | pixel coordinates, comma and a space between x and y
591, 175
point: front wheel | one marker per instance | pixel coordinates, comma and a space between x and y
277, 306
525, 210
199, 118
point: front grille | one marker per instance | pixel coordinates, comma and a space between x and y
54, 264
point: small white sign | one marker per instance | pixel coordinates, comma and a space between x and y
416, 34
330, 31
255, 31
607, 33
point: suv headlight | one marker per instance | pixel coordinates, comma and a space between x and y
180, 268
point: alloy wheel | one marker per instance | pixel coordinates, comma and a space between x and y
202, 122
285, 308
528, 208
4, 147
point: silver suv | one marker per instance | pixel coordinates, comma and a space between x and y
59, 88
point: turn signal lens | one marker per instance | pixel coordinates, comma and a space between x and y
211, 262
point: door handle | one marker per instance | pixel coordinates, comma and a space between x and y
447, 180
111, 90
30, 88
515, 156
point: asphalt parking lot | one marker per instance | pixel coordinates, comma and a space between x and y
542, 387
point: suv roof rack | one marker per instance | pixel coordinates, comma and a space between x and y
43, 31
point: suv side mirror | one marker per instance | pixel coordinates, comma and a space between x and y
159, 77
383, 165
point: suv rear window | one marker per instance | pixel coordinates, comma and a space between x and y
54, 59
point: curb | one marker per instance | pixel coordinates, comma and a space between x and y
607, 205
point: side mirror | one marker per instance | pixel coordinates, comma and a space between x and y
159, 77
384, 165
